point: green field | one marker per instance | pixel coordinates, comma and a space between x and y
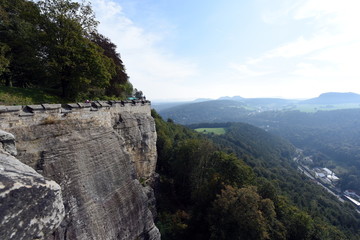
217, 131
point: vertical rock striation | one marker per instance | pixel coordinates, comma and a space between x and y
99, 160
139, 133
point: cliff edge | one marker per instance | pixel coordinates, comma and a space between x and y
102, 155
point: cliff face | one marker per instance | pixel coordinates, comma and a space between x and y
98, 156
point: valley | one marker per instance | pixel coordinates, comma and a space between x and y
326, 179
326, 130
192, 176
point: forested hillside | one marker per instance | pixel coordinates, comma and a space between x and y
331, 137
237, 109
54, 45
208, 111
241, 185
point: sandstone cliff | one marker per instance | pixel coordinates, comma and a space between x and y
98, 154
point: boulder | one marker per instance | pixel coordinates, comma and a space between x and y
31, 207
7, 142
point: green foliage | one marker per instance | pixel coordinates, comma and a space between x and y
119, 85
240, 213
173, 226
270, 157
206, 112
222, 197
60, 11
330, 137
4, 62
20, 40
75, 63
55, 44
192, 173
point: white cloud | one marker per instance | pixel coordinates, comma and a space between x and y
244, 70
300, 47
149, 66
327, 59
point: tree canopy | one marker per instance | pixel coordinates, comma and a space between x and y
55, 44
240, 185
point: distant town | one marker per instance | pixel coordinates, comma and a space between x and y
326, 178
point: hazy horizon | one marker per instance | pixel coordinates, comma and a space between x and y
260, 48
194, 99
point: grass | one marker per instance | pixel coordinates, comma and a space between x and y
217, 131
26, 96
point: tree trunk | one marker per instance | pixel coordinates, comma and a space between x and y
8, 82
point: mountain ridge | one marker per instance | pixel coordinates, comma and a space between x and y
226, 109
334, 98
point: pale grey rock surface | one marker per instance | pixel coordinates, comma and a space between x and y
99, 163
31, 207
139, 133
7, 142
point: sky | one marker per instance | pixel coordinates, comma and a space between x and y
190, 49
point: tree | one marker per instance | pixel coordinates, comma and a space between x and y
59, 11
189, 156
119, 83
214, 172
55, 44
4, 62
301, 226
237, 214
75, 63
20, 63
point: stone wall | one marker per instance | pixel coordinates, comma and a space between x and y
100, 111
102, 155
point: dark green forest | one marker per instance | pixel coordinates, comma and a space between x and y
54, 45
241, 185
330, 137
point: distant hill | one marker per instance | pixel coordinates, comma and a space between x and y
209, 111
220, 110
277, 103
334, 98
236, 109
234, 98
260, 101
160, 106
202, 99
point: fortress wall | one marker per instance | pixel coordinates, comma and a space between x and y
99, 112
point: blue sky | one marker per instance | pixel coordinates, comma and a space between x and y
183, 50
